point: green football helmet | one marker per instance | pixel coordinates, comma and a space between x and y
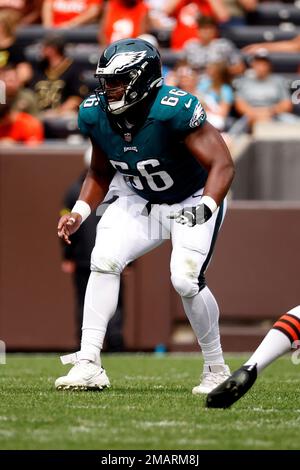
128, 70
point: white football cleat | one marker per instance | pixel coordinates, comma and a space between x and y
212, 377
86, 374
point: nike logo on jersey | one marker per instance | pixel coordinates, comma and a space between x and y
188, 104
130, 149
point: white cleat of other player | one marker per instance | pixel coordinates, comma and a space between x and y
212, 377
86, 374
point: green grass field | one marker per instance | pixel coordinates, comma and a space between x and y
150, 406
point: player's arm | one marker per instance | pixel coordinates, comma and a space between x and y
97, 181
92, 193
210, 150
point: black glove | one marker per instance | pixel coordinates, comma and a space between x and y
192, 215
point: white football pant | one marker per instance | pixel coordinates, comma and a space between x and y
131, 227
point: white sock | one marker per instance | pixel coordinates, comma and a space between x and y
278, 340
101, 299
203, 313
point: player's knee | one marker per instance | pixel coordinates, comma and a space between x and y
184, 285
106, 265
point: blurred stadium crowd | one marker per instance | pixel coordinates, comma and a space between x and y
240, 57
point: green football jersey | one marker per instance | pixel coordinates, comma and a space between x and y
155, 163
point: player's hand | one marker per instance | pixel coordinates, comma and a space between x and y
67, 225
192, 215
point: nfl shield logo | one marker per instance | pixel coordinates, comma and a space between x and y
127, 137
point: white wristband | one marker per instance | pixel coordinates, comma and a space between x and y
82, 208
209, 202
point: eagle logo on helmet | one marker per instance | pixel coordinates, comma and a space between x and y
120, 62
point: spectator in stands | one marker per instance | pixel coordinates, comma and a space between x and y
152, 40
209, 47
212, 90
238, 10
10, 53
216, 95
290, 45
123, 19
158, 16
56, 82
183, 76
22, 12
70, 13
22, 99
262, 96
18, 127
186, 13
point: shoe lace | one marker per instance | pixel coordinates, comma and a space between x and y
213, 377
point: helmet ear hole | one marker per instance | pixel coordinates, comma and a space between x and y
133, 95
133, 74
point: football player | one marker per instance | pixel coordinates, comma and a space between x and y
161, 171
283, 336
